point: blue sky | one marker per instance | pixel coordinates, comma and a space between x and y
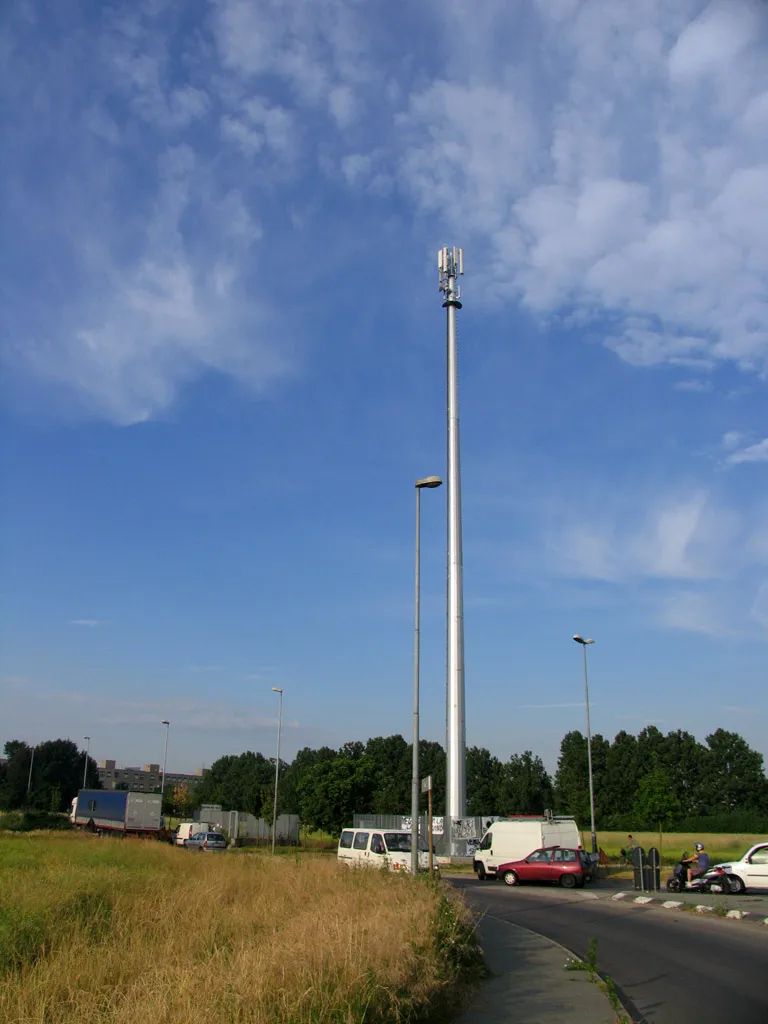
223, 368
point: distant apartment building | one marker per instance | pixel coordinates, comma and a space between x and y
142, 780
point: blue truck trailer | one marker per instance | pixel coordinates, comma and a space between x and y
117, 811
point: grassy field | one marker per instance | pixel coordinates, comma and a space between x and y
114, 931
719, 846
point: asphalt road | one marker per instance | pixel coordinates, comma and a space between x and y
669, 967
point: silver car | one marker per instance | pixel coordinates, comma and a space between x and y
206, 841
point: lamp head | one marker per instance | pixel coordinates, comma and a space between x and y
165, 722
276, 689
429, 481
581, 640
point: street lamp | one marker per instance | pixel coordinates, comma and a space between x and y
85, 765
583, 642
276, 689
430, 482
167, 725
29, 780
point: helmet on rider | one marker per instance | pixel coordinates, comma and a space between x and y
699, 847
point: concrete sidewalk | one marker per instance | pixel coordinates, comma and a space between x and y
530, 984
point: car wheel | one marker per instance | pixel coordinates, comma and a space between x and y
510, 878
737, 886
568, 881
480, 872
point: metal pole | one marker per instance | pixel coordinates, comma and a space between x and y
429, 812
416, 655
165, 758
85, 766
277, 766
589, 756
450, 265
29, 780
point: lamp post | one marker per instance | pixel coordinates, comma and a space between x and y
276, 689
29, 780
430, 482
584, 643
167, 725
85, 764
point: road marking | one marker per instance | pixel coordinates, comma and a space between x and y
704, 908
736, 915
619, 895
765, 920
643, 899
672, 904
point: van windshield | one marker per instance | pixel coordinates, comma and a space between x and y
400, 842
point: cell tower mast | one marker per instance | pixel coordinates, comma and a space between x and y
450, 264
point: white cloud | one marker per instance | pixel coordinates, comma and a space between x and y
731, 439
759, 610
694, 384
624, 187
86, 622
693, 612
711, 43
753, 453
606, 162
674, 538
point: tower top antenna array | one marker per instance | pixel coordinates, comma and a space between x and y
450, 265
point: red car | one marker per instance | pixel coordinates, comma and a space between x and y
566, 867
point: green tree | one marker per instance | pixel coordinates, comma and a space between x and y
733, 773
683, 759
184, 799
524, 786
572, 777
656, 803
393, 760
238, 782
305, 759
331, 792
484, 774
619, 782
57, 775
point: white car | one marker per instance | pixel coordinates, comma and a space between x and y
751, 872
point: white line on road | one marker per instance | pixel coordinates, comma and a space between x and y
672, 904
643, 899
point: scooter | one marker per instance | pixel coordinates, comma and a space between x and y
714, 880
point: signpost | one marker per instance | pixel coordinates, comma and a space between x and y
426, 787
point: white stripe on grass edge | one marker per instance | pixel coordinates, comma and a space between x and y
619, 895
643, 899
704, 908
736, 915
672, 904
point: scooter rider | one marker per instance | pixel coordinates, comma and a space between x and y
698, 864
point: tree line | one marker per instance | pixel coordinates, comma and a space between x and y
674, 781
640, 782
45, 777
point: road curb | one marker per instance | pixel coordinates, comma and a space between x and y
698, 908
570, 957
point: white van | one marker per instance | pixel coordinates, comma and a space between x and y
188, 828
376, 848
515, 838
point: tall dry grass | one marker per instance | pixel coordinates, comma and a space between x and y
119, 931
